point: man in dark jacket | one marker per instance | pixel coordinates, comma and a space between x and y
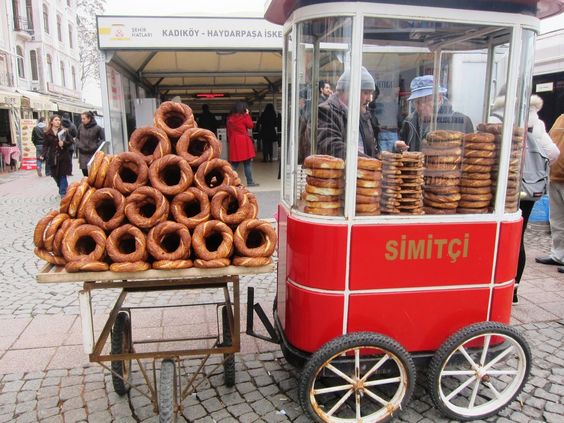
90, 136
332, 119
417, 124
38, 138
207, 120
69, 125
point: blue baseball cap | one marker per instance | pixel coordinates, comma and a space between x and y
422, 86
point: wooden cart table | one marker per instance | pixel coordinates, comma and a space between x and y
168, 393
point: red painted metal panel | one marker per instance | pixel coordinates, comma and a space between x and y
420, 255
420, 321
312, 319
317, 254
282, 262
508, 251
501, 304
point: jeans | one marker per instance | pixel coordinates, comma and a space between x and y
387, 140
246, 168
63, 184
39, 165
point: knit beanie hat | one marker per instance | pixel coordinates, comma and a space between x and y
366, 80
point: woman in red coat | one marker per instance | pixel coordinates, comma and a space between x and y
241, 147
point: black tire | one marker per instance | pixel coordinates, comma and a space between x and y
330, 353
447, 355
166, 392
229, 359
120, 344
295, 360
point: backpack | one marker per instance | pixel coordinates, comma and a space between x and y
535, 171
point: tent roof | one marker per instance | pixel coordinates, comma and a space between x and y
239, 75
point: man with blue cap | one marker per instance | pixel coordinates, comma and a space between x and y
333, 114
417, 124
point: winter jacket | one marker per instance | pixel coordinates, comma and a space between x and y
412, 133
207, 121
557, 134
37, 135
241, 146
332, 129
58, 158
267, 127
535, 125
89, 137
68, 124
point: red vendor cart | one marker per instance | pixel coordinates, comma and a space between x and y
361, 298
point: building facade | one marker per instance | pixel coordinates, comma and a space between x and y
39, 62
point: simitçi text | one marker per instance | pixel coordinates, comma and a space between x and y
427, 249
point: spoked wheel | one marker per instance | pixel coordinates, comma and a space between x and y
167, 392
229, 359
120, 344
479, 370
357, 377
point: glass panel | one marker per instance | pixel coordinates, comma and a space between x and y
323, 54
423, 105
287, 179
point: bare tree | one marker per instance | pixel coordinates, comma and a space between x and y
89, 55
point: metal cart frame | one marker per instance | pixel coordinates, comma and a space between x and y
166, 394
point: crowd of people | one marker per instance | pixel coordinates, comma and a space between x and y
56, 141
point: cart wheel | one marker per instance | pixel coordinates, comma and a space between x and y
362, 376
166, 392
479, 370
121, 343
229, 363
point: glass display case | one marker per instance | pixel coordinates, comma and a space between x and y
440, 103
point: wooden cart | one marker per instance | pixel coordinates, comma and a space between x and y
169, 391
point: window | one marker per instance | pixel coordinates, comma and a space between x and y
29, 14
59, 28
33, 61
46, 18
73, 74
16, 10
20, 60
63, 79
70, 36
49, 68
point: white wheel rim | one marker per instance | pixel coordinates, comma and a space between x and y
477, 378
352, 391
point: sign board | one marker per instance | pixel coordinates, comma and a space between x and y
28, 149
163, 32
544, 87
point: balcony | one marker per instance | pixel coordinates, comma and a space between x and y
23, 27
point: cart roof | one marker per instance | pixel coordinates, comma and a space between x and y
278, 11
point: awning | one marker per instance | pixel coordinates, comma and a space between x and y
72, 107
10, 98
38, 101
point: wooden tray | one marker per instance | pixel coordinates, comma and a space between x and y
57, 274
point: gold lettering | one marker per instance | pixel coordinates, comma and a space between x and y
440, 243
392, 250
402, 247
454, 254
429, 246
466, 245
416, 249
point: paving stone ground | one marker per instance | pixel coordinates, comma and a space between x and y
45, 376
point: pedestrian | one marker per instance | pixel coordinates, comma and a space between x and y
324, 91
333, 114
537, 140
241, 148
207, 120
38, 138
556, 201
56, 146
416, 126
89, 138
73, 131
267, 131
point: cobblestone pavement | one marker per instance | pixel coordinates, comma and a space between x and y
45, 376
